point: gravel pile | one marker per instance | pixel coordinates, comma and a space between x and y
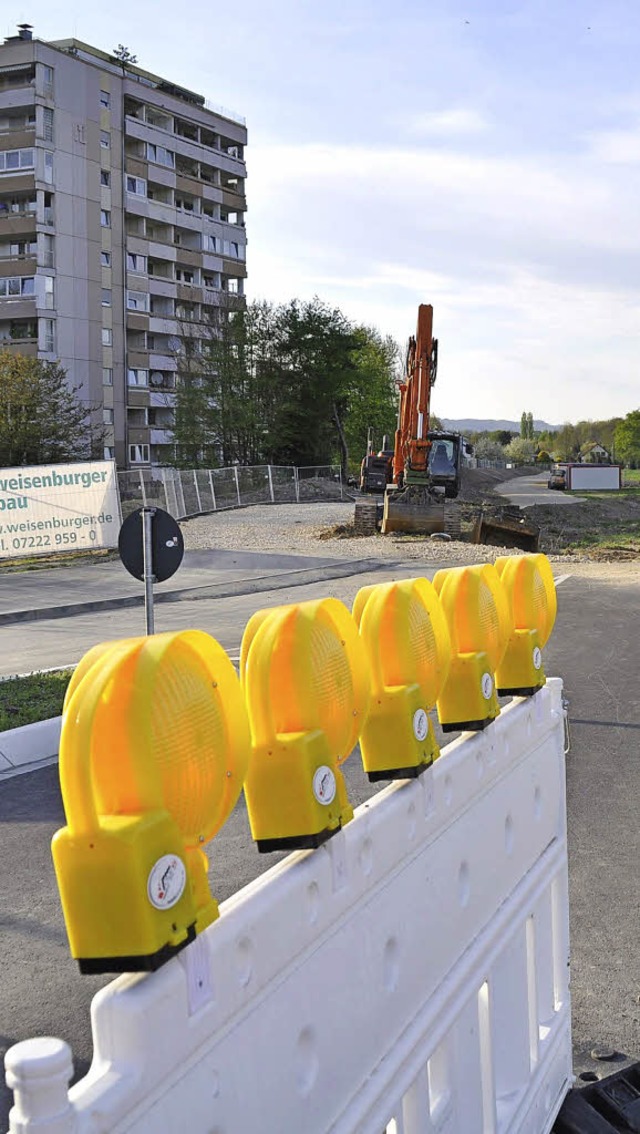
307, 529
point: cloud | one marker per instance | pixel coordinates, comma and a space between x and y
453, 122
616, 147
530, 263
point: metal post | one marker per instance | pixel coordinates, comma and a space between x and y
148, 576
143, 491
235, 469
297, 486
270, 484
213, 491
341, 490
195, 483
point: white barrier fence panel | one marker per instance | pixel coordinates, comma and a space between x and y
409, 977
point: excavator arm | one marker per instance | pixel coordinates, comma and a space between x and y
412, 445
411, 503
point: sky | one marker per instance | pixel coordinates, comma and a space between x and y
479, 155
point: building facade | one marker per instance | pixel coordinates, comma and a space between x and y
122, 224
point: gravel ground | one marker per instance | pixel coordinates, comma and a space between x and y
305, 529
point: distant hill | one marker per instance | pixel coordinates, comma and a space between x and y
480, 425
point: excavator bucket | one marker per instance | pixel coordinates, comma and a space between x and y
412, 512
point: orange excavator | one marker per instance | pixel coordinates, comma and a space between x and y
411, 502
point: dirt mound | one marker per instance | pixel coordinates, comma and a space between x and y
479, 484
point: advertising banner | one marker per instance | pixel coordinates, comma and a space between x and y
50, 508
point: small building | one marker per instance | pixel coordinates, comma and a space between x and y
595, 454
595, 478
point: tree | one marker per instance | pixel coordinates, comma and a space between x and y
41, 416
530, 430
522, 450
372, 393
523, 424
627, 439
488, 450
124, 56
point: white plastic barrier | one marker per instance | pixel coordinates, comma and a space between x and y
411, 976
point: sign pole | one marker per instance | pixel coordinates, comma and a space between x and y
148, 577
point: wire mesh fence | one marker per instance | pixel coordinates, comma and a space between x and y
191, 492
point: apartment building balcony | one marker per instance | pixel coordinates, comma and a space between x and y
18, 96
16, 224
161, 436
137, 398
159, 398
137, 321
18, 265
163, 325
138, 435
157, 251
26, 347
162, 361
18, 308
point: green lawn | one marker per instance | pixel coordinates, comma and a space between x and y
24, 700
630, 476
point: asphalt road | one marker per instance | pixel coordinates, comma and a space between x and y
527, 490
595, 648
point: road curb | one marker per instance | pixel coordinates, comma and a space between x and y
29, 747
210, 591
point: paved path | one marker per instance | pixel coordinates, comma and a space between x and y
527, 490
58, 591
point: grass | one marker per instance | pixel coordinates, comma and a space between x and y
24, 700
630, 476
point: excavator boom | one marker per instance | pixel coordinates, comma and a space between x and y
411, 503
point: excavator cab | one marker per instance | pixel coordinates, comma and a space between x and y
445, 460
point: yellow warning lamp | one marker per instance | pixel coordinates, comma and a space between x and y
477, 615
531, 594
406, 637
306, 681
153, 753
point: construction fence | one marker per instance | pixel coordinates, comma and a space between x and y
191, 492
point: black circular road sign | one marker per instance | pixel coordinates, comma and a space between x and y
167, 544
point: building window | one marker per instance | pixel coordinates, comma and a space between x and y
14, 287
47, 124
138, 300
137, 185
48, 167
47, 79
210, 243
106, 297
105, 259
105, 139
49, 336
48, 250
107, 336
48, 292
183, 275
105, 218
107, 376
105, 177
136, 377
139, 454
105, 99
108, 452
160, 155
10, 160
107, 416
136, 262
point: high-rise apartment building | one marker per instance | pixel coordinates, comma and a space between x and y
122, 221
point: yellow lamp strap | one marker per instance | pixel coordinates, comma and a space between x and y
250, 632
